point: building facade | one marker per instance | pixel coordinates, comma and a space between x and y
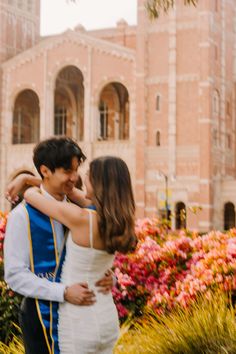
160, 94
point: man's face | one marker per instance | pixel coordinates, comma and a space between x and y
62, 181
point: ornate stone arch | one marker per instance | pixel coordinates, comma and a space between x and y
69, 102
105, 81
20, 88
59, 66
114, 112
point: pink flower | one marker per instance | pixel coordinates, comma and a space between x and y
122, 311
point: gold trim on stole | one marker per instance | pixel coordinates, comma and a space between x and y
32, 269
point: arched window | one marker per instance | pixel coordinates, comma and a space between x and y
113, 113
26, 118
158, 138
158, 102
69, 103
229, 216
180, 216
228, 108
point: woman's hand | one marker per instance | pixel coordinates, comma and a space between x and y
15, 187
78, 197
18, 186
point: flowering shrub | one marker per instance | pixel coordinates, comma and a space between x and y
171, 268
3, 221
9, 302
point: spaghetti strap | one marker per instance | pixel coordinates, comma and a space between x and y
91, 229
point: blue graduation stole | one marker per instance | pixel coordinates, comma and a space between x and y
45, 262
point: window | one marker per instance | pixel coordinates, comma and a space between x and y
216, 52
103, 133
215, 137
228, 141
158, 138
60, 121
25, 129
69, 103
229, 216
158, 98
113, 119
216, 103
19, 4
180, 216
29, 5
228, 109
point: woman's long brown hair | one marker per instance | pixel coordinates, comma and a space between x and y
114, 202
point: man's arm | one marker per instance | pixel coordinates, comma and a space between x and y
106, 283
17, 267
17, 262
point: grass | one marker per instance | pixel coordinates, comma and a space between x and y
14, 347
208, 328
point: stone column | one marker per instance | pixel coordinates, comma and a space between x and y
89, 133
172, 95
5, 135
141, 111
204, 121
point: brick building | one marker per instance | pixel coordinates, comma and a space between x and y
160, 94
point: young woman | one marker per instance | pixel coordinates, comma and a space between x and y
94, 237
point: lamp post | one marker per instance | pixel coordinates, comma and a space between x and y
162, 174
166, 197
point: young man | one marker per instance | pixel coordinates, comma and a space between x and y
34, 250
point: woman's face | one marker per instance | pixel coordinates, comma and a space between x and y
88, 186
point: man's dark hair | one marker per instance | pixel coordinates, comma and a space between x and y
57, 152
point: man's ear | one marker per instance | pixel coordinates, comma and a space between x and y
45, 171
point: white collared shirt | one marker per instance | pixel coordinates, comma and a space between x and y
17, 259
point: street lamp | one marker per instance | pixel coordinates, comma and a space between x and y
161, 175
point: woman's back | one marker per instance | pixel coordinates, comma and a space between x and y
87, 329
84, 264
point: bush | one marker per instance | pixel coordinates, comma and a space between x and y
208, 326
171, 268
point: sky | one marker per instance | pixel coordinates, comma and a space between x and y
59, 15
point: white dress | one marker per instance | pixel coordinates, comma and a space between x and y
87, 329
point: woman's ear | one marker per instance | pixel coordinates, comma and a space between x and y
45, 171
